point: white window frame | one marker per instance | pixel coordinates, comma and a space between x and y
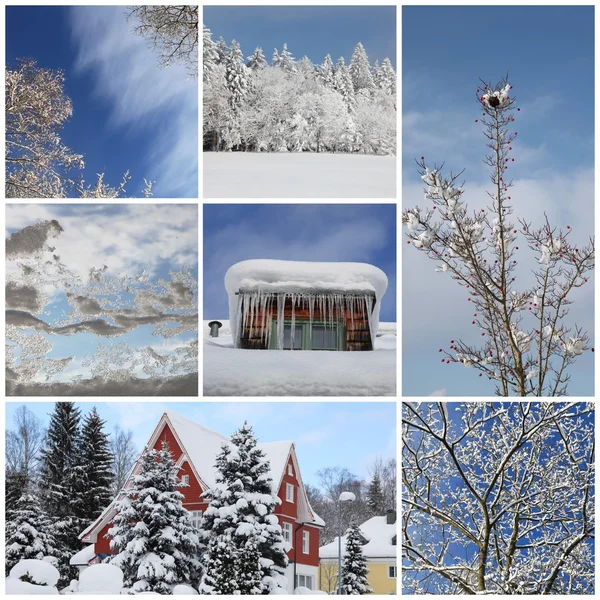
306, 542
290, 469
185, 480
289, 493
288, 530
302, 582
392, 572
195, 518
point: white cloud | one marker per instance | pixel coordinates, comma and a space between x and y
442, 392
142, 95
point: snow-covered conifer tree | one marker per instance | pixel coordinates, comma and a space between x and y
97, 463
354, 565
525, 343
276, 59
210, 55
28, 532
286, 60
257, 60
236, 75
375, 500
387, 77
343, 83
240, 516
360, 70
326, 73
222, 50
157, 545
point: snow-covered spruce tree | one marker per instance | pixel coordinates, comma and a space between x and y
242, 535
343, 83
257, 60
360, 70
210, 56
97, 463
28, 533
387, 77
286, 60
157, 545
275, 59
222, 50
62, 483
354, 565
375, 500
498, 497
527, 345
327, 73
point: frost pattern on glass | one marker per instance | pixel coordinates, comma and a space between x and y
47, 302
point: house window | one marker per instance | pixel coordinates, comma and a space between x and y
304, 581
290, 469
289, 492
392, 571
324, 338
185, 480
305, 542
287, 337
195, 518
287, 533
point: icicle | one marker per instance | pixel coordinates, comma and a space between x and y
293, 330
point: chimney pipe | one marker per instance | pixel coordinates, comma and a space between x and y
214, 328
390, 516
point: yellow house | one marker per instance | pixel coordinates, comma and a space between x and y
379, 548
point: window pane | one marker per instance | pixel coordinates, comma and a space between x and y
324, 338
287, 337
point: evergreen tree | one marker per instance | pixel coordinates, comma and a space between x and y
257, 60
28, 533
343, 83
97, 464
375, 500
286, 60
62, 484
237, 75
15, 486
387, 77
360, 70
240, 516
222, 51
354, 565
276, 58
210, 54
152, 532
327, 74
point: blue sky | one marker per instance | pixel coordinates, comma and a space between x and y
128, 112
326, 434
314, 31
311, 232
548, 52
129, 240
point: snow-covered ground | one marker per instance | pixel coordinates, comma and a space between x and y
298, 175
235, 372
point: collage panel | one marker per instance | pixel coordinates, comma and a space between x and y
498, 497
299, 101
210, 483
101, 101
101, 299
498, 202
299, 300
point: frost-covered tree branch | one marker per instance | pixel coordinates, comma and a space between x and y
38, 163
498, 498
172, 31
527, 345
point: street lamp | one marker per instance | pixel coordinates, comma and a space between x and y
344, 497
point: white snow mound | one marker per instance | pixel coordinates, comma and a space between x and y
101, 579
16, 587
184, 590
39, 571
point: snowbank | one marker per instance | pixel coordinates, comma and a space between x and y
184, 590
298, 175
101, 579
316, 283
16, 587
40, 572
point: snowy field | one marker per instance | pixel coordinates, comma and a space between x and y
234, 372
298, 175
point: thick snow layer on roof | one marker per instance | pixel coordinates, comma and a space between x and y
230, 371
84, 556
265, 276
379, 540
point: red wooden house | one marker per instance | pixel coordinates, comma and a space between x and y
195, 448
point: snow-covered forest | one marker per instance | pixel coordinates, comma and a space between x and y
498, 498
60, 479
286, 105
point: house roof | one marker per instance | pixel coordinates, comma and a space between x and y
378, 535
201, 446
83, 557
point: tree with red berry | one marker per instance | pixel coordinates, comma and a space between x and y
525, 344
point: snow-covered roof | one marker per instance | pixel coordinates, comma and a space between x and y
83, 557
379, 537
